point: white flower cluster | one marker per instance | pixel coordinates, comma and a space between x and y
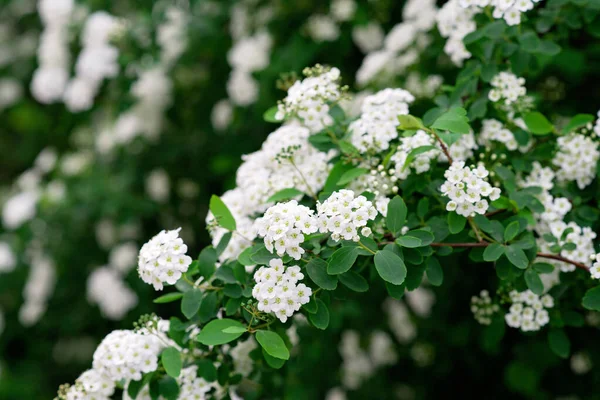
507, 87
378, 181
37, 290
286, 160
597, 125
401, 45
528, 311
322, 28
97, 61
421, 162
466, 187
126, 355
483, 308
8, 261
493, 130
11, 91
106, 288
243, 364
91, 385
50, 78
309, 99
377, 124
509, 10
424, 88
248, 55
595, 269
171, 35
163, 259
455, 22
192, 387
277, 289
283, 228
583, 238
576, 159
359, 365
343, 214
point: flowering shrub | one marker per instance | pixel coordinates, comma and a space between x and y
457, 172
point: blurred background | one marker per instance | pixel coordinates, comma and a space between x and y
121, 118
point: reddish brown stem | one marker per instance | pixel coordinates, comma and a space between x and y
443, 145
560, 258
542, 255
492, 213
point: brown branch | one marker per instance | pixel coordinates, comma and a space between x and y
442, 144
492, 213
560, 258
542, 255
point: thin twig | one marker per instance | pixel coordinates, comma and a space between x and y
542, 255
442, 144
492, 213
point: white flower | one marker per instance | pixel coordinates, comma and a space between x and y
368, 37
191, 386
507, 87
106, 288
342, 214
8, 261
483, 308
163, 259
377, 125
576, 159
310, 98
127, 355
222, 114
91, 385
283, 228
322, 28
158, 185
528, 311
277, 291
465, 186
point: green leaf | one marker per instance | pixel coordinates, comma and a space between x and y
415, 238
171, 360
390, 267
212, 333
351, 175
272, 361
168, 388
449, 138
559, 342
342, 260
285, 194
493, 252
348, 148
578, 121
208, 307
516, 256
396, 215
317, 271
269, 115
168, 298
190, 303
543, 268
134, 387
533, 281
591, 300
456, 223
455, 120
320, 319
206, 262
223, 243
409, 122
222, 213
206, 370
354, 281
511, 231
245, 257
235, 329
232, 290
537, 123
434, 271
273, 344
416, 152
